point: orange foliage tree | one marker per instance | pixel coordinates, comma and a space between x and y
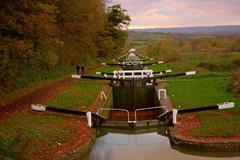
42, 35
28, 35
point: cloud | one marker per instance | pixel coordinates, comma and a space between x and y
175, 13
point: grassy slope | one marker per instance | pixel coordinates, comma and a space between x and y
33, 79
81, 94
33, 134
207, 91
206, 88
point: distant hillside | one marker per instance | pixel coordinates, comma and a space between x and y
193, 30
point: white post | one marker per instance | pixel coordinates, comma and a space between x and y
175, 116
89, 118
164, 92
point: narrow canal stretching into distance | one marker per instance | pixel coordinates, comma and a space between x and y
147, 145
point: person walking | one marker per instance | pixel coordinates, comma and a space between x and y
82, 68
78, 68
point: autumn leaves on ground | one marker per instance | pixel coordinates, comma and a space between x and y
43, 41
26, 134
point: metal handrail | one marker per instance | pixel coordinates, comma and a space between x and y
135, 112
149, 108
115, 109
133, 74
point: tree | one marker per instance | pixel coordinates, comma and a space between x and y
118, 21
28, 35
117, 17
40, 35
80, 22
164, 49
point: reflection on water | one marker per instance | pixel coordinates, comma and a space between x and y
143, 146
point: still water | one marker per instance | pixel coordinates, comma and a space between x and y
147, 145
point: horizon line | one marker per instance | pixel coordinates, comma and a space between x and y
154, 27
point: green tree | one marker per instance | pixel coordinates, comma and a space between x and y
118, 21
118, 17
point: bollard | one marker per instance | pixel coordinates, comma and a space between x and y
175, 116
89, 118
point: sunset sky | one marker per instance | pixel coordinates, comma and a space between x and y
181, 13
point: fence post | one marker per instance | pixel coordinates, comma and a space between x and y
175, 116
89, 118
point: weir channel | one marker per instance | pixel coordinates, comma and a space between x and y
147, 144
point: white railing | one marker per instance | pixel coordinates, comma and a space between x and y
132, 74
127, 112
149, 108
103, 96
114, 109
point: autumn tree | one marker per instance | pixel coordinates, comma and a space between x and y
235, 45
166, 49
28, 35
80, 22
42, 35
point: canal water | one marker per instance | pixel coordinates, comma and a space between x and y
147, 144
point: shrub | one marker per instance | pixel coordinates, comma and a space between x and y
236, 60
214, 67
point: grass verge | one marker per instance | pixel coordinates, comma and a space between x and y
40, 135
208, 90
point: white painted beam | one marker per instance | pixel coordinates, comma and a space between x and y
190, 73
76, 76
38, 107
226, 105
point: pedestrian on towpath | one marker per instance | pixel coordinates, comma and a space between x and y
82, 68
77, 68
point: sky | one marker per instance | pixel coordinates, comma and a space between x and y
181, 13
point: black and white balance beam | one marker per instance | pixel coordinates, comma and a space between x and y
89, 115
174, 112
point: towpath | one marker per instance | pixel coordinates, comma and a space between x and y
39, 95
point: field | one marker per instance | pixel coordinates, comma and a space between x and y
212, 84
34, 135
187, 93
